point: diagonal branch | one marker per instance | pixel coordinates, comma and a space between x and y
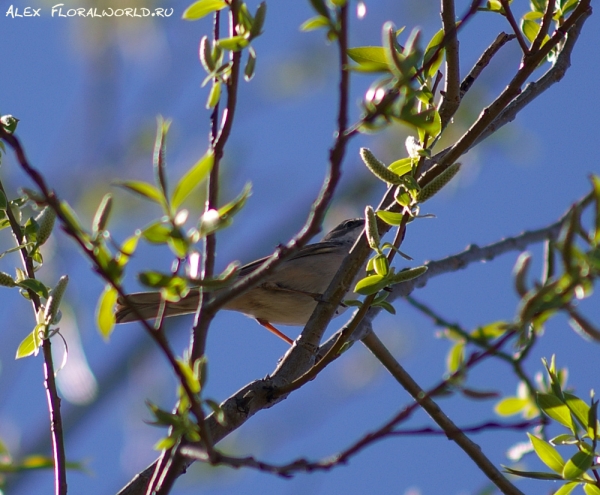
423, 399
483, 61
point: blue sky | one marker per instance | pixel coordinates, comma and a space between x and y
88, 93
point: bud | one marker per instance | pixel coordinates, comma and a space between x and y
46, 222
436, 185
6, 280
379, 169
54, 300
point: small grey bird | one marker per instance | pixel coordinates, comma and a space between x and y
288, 296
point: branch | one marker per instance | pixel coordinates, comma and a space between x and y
257, 396
472, 254
388, 430
56, 424
452, 96
544, 26
53, 201
513, 24
453, 432
482, 127
484, 60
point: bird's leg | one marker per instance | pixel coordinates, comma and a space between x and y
272, 329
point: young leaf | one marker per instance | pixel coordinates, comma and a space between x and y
192, 179
556, 409
314, 23
577, 465
510, 406
202, 8
105, 316
547, 454
30, 344
143, 189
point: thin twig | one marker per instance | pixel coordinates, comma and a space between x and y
473, 254
544, 26
515, 27
56, 424
493, 111
484, 60
451, 100
53, 201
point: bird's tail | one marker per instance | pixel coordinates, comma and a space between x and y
148, 306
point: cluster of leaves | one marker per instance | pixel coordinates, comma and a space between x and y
406, 91
167, 230
32, 233
181, 424
583, 432
531, 21
247, 28
408, 195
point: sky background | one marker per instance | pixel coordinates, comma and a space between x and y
88, 91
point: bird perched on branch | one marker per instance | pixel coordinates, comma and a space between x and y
287, 296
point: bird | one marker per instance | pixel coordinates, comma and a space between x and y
287, 296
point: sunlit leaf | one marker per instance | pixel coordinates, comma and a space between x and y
192, 178
556, 409
547, 454
143, 189
105, 317
577, 465
510, 406
30, 344
202, 8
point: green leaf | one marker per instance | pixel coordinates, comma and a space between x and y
215, 94
402, 166
577, 465
556, 409
157, 233
491, 330
127, 249
30, 344
530, 29
456, 357
218, 412
102, 214
202, 8
235, 43
230, 209
510, 406
34, 285
590, 489
192, 179
143, 189
390, 217
547, 454
250, 65
370, 58
566, 488
320, 7
314, 23
370, 285
406, 275
536, 475
105, 317
579, 408
432, 47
